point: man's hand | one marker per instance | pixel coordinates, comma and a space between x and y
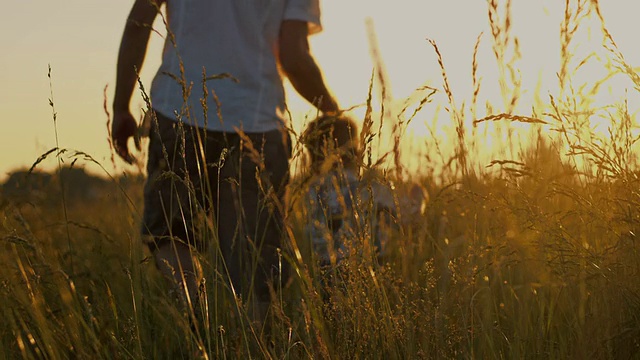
131, 56
124, 126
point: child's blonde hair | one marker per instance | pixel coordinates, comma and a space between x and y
333, 138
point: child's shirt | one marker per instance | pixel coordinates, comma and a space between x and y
349, 216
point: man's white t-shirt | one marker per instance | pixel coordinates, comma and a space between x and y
235, 37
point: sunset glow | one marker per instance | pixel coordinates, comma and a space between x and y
81, 48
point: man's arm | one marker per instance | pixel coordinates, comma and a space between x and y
300, 67
133, 48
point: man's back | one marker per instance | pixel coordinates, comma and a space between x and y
234, 37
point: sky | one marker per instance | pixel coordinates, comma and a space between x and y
79, 40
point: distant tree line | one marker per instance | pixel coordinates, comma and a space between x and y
78, 185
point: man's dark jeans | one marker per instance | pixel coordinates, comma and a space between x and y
212, 188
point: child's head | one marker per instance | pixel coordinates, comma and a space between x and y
332, 138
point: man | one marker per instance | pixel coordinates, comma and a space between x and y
218, 143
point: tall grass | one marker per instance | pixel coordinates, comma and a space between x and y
533, 255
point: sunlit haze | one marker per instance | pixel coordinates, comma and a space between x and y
80, 38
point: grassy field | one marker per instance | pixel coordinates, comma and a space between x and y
531, 255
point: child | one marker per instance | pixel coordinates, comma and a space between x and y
350, 213
331, 142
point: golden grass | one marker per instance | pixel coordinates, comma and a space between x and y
534, 256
